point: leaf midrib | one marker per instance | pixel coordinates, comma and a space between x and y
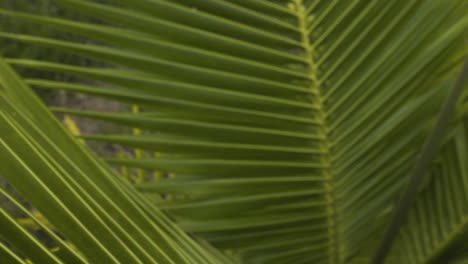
304, 21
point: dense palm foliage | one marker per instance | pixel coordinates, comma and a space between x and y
289, 128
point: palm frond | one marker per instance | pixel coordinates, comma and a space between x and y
100, 214
437, 225
290, 127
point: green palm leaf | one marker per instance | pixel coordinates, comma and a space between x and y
102, 216
290, 127
439, 216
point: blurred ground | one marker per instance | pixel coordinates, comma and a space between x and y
87, 126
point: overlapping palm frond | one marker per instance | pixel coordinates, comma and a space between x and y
436, 230
103, 217
290, 127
